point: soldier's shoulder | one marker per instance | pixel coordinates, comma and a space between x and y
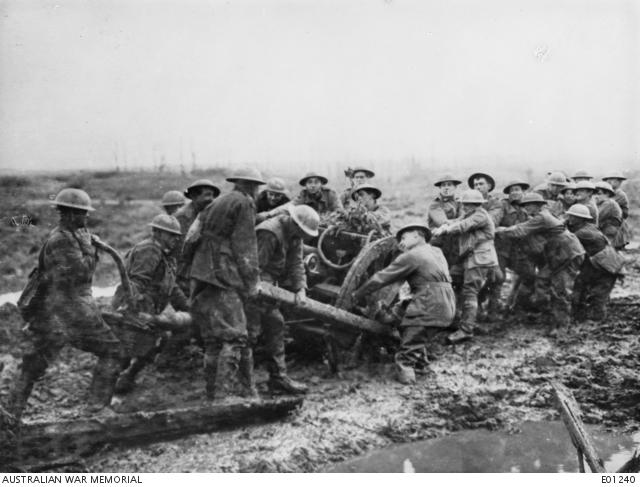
147, 246
185, 211
59, 237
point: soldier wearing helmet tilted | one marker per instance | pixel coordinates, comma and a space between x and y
357, 176
273, 196
225, 274
172, 201
476, 233
152, 273
316, 195
561, 255
280, 256
615, 179
584, 196
200, 193
365, 213
68, 314
432, 305
550, 190
599, 270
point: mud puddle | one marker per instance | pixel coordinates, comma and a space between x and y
542, 446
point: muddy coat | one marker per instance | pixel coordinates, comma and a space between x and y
512, 214
325, 201
425, 269
227, 253
443, 210
622, 199
476, 232
153, 280
610, 220
625, 234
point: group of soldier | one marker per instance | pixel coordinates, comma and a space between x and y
208, 254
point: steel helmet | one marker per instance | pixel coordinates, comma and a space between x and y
606, 186
582, 174
306, 218
414, 226
557, 178
167, 223
532, 198
517, 182
312, 174
585, 185
201, 183
580, 211
172, 198
73, 198
472, 196
492, 182
446, 177
614, 175
368, 187
368, 172
250, 175
571, 186
276, 185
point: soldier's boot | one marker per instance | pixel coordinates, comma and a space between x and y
279, 381
127, 379
226, 377
246, 374
464, 333
102, 384
210, 371
33, 367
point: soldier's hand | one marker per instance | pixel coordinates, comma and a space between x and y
253, 291
95, 240
301, 296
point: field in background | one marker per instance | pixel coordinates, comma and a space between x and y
127, 201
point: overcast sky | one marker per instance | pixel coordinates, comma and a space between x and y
532, 82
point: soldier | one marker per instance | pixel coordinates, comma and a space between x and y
201, 193
357, 176
615, 179
366, 196
476, 230
566, 199
552, 188
432, 306
584, 196
225, 274
609, 214
172, 201
316, 195
486, 184
599, 270
442, 210
69, 314
151, 271
510, 253
562, 252
581, 176
280, 260
273, 196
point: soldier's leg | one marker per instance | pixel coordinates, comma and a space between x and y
457, 283
246, 370
474, 279
200, 309
581, 290
562, 281
602, 285
526, 272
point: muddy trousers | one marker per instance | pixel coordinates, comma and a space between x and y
523, 286
591, 292
45, 346
474, 279
267, 323
223, 326
413, 345
559, 285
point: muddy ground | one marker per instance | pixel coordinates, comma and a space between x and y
496, 381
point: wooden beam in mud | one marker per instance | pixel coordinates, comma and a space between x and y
83, 436
570, 412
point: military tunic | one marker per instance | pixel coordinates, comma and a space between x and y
610, 220
624, 237
324, 201
185, 216
444, 210
263, 206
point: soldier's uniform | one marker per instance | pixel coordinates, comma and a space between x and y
324, 201
186, 216
624, 237
444, 210
610, 220
563, 256
593, 209
225, 268
69, 316
432, 305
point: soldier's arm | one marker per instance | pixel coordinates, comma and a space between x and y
244, 244
267, 244
524, 229
437, 215
178, 300
476, 220
397, 271
496, 211
143, 263
295, 266
69, 259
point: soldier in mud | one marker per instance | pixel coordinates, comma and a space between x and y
152, 273
225, 275
201, 193
365, 214
615, 179
357, 176
609, 213
550, 191
69, 315
273, 196
566, 199
584, 196
511, 254
316, 195
581, 175
172, 201
476, 232
599, 270
431, 308
280, 256
563, 256
442, 210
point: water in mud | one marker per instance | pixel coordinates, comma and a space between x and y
538, 447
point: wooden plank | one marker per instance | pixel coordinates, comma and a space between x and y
570, 412
82, 436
